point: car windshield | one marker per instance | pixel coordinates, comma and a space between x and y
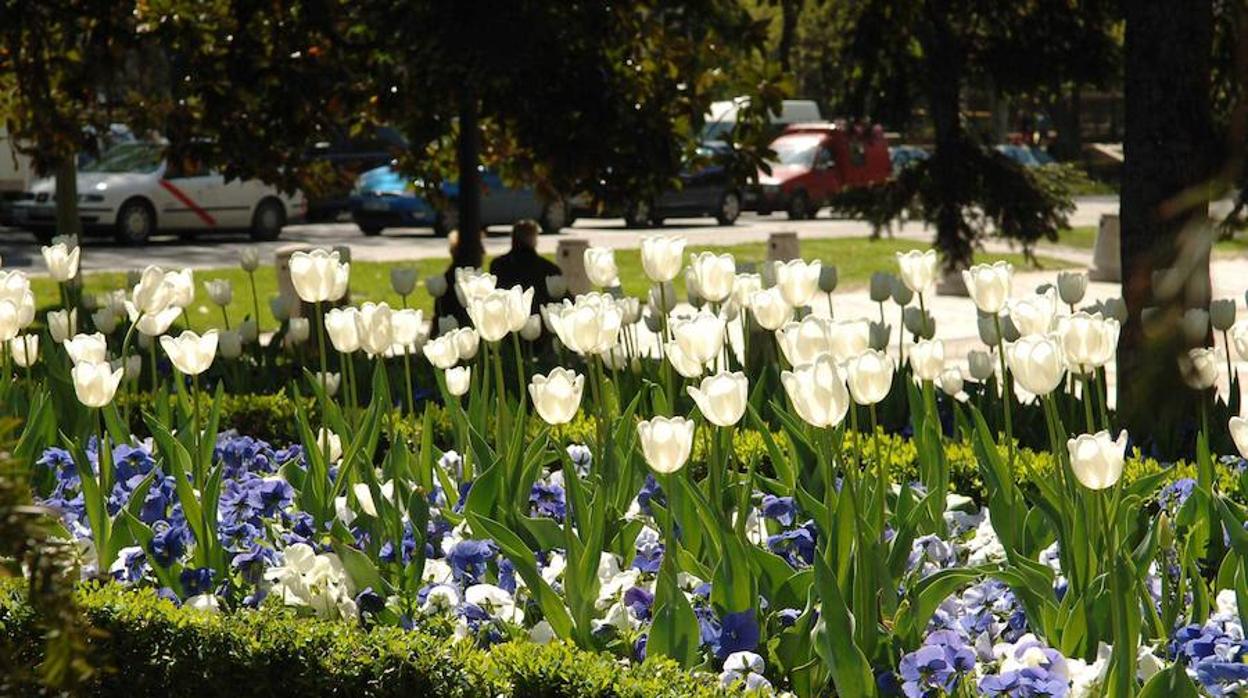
128, 157
795, 151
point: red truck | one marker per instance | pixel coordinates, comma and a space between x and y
816, 160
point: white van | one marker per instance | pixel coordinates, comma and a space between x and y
16, 174
722, 117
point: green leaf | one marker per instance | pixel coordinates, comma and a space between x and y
361, 569
833, 638
526, 565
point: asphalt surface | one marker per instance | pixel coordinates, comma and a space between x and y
18, 249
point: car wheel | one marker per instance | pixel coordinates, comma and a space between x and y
729, 208
554, 217
268, 220
135, 222
638, 215
799, 206
446, 221
371, 231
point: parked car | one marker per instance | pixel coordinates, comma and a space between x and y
1025, 155
132, 191
815, 161
383, 198
348, 158
707, 189
903, 156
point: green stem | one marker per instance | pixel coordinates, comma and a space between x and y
1006, 397
407, 381
255, 302
881, 469
199, 434
320, 350
1087, 403
225, 315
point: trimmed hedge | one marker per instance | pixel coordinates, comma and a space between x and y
146, 646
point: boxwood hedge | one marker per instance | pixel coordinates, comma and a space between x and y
142, 645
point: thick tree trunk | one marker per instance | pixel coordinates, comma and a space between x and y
789, 12
1067, 111
1164, 207
943, 69
469, 252
67, 221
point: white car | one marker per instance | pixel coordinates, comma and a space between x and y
132, 192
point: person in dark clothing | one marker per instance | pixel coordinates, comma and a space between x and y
523, 266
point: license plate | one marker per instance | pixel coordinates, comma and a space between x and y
376, 206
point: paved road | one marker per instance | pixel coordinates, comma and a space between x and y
18, 249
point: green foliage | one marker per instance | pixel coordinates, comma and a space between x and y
148, 647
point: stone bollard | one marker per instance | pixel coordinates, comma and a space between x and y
783, 246
281, 259
952, 284
1107, 252
570, 256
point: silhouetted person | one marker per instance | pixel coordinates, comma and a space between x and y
523, 266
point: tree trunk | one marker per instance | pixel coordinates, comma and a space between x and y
943, 72
789, 12
67, 220
1068, 147
1164, 207
469, 252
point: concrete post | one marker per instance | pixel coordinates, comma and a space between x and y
570, 256
783, 246
1106, 253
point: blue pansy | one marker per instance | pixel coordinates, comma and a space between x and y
737, 632
780, 509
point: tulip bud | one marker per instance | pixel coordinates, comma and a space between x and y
230, 345
1222, 314
298, 330
25, 350
1097, 459
406, 326
981, 363
557, 395
881, 286
1088, 341
1071, 286
403, 280
329, 382
458, 380
1115, 308
828, 278
436, 286
900, 293
133, 368
879, 335
666, 443
62, 324
1009, 329
220, 291
249, 259
279, 305
918, 322
248, 331
950, 381
447, 323
654, 323
557, 286
721, 398
105, 320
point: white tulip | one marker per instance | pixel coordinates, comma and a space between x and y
630, 309
818, 392
230, 345
770, 309
662, 257
282, 306
989, 285
1239, 432
519, 307
326, 439
373, 323
1097, 458
744, 286
1239, 337
950, 381
153, 324
701, 337
557, 395
441, 352
589, 326
685, 366
329, 382
466, 343
220, 291
95, 384
1200, 368
848, 338
491, 315
343, 330
298, 330
1088, 341
713, 275
918, 269
600, 267
458, 380
249, 259
318, 276
1036, 362
722, 397
532, 328
181, 287
151, 294
1034, 314
407, 325
9, 322
798, 281
804, 340
471, 284
62, 324
248, 331
25, 350
62, 262
869, 375
927, 359
191, 353
90, 348
982, 365
1071, 286
666, 443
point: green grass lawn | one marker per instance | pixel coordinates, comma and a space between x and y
855, 259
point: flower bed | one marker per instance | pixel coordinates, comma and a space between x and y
791, 511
